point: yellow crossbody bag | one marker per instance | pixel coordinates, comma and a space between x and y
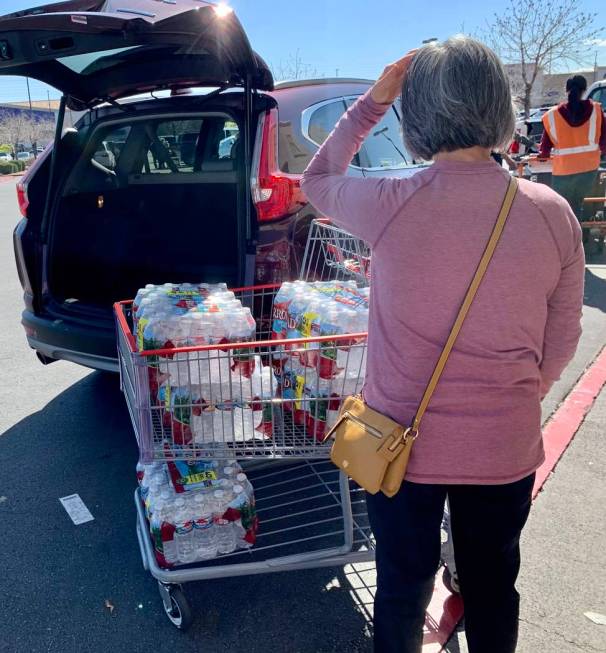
373, 449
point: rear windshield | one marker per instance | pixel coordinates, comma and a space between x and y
169, 146
146, 151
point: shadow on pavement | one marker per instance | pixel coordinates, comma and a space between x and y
595, 291
58, 576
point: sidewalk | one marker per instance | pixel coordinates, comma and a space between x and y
563, 572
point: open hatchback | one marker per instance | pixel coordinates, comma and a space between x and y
101, 50
145, 189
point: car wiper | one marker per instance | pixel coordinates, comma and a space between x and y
381, 132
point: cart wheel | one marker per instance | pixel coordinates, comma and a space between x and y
179, 612
451, 582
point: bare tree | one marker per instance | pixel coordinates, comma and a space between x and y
39, 129
293, 68
540, 34
19, 127
13, 129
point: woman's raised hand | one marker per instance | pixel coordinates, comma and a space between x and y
387, 88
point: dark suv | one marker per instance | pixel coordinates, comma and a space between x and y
184, 166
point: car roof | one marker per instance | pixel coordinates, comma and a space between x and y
319, 81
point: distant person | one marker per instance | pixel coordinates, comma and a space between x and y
481, 442
574, 136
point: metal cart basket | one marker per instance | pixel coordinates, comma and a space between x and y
310, 514
333, 253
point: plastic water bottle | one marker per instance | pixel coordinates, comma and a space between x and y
242, 480
279, 327
230, 473
240, 328
225, 534
184, 533
227, 489
157, 484
205, 541
162, 528
295, 311
239, 500
232, 462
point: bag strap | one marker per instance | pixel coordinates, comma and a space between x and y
469, 297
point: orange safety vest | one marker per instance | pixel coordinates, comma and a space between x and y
575, 149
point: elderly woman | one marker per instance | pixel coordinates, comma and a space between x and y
480, 442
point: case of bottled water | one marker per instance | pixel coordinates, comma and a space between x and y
314, 375
209, 520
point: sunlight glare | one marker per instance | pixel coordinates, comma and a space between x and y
223, 10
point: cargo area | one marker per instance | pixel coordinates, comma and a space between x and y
149, 201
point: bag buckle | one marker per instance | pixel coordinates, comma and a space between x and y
399, 443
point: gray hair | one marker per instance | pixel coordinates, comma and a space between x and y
456, 95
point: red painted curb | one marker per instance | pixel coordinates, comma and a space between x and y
565, 422
446, 610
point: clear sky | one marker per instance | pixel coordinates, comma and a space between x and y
354, 37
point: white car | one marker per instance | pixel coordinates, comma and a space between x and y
5, 156
597, 93
24, 156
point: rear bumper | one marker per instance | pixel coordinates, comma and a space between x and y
82, 344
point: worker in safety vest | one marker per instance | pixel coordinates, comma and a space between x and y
574, 136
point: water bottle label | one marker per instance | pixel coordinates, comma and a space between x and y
280, 321
203, 522
293, 385
141, 324
184, 528
205, 478
194, 475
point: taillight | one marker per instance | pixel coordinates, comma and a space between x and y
22, 198
276, 194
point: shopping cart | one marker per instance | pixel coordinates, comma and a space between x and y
594, 224
310, 514
333, 253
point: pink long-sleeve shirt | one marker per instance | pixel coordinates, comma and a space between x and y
427, 234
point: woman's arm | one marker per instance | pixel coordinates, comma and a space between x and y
564, 307
546, 146
363, 206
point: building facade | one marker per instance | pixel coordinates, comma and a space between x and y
549, 88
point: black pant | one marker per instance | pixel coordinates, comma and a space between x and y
575, 188
486, 522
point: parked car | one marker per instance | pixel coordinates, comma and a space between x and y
24, 156
597, 93
5, 156
177, 205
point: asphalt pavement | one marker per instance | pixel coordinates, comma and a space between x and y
65, 430
563, 572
